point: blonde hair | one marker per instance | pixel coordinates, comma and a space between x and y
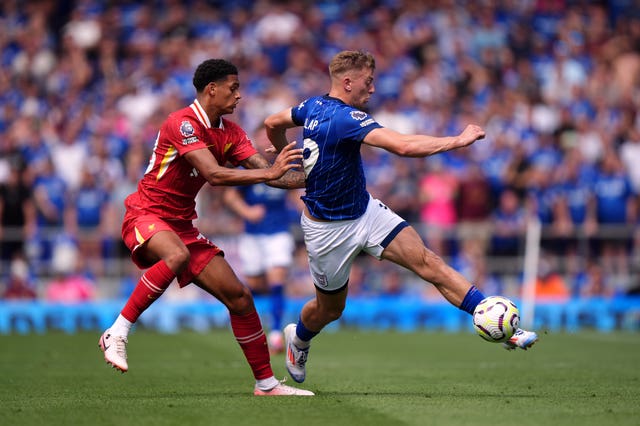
349, 60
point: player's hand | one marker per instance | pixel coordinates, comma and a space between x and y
470, 134
289, 158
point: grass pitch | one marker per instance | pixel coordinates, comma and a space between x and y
372, 378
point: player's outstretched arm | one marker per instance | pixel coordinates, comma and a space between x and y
421, 145
206, 164
292, 179
276, 126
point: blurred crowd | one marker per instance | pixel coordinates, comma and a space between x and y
85, 84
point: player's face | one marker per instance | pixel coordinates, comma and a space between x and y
362, 88
226, 94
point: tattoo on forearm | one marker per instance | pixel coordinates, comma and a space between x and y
290, 180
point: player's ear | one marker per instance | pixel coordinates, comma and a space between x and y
347, 84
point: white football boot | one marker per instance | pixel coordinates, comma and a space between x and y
282, 390
295, 358
115, 350
522, 339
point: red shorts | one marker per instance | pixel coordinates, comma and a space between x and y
137, 229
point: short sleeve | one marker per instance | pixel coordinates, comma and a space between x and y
185, 134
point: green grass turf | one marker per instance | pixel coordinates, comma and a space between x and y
373, 378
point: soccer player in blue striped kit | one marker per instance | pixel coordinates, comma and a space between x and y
341, 219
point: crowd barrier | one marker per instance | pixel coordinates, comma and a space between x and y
380, 313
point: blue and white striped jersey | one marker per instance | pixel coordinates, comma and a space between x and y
335, 181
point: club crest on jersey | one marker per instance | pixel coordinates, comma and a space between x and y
358, 115
187, 130
321, 280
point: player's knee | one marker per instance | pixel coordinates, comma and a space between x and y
178, 259
241, 302
431, 265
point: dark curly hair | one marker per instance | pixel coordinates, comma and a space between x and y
212, 70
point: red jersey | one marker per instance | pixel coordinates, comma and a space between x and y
170, 184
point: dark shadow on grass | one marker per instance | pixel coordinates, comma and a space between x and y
426, 395
222, 393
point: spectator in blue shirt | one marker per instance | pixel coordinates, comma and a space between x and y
573, 220
52, 209
616, 212
509, 224
88, 214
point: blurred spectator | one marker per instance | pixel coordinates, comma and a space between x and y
17, 219
70, 288
357, 278
52, 211
573, 220
68, 285
299, 276
588, 139
593, 282
35, 56
32, 146
275, 31
102, 163
69, 154
471, 262
87, 82
88, 216
541, 197
402, 196
135, 163
550, 284
629, 155
616, 212
83, 27
509, 224
474, 205
438, 190
49, 195
19, 285
501, 166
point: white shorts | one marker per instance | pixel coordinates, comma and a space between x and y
258, 253
332, 246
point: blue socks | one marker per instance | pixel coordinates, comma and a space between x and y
277, 306
304, 333
471, 300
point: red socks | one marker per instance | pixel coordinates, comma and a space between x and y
247, 329
151, 286
249, 333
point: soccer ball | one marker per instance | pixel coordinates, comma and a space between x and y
496, 318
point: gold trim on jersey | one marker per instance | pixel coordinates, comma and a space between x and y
139, 237
167, 158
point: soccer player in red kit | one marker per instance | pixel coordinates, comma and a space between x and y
192, 148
